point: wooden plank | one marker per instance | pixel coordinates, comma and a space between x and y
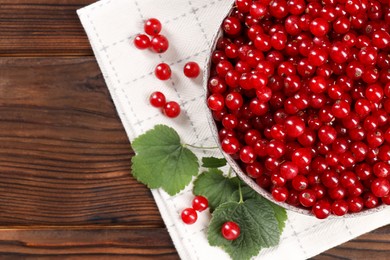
374, 245
64, 155
42, 28
99, 243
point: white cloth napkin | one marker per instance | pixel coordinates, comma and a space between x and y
190, 26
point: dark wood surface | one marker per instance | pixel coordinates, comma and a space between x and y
65, 183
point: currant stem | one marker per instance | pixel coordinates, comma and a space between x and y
201, 147
239, 190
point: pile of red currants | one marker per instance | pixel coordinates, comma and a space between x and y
300, 92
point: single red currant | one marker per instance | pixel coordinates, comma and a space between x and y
142, 41
172, 109
380, 187
230, 230
230, 145
280, 193
200, 203
189, 216
191, 69
163, 71
289, 170
321, 209
340, 207
157, 99
307, 198
159, 44
152, 26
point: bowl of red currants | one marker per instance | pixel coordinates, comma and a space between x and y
298, 96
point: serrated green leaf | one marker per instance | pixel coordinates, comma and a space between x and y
215, 187
212, 162
161, 161
248, 193
280, 214
258, 225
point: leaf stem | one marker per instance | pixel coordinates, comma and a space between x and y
201, 147
239, 190
230, 172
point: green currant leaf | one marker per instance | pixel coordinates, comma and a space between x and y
161, 161
212, 162
258, 226
248, 193
280, 214
215, 187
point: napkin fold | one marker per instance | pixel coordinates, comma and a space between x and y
190, 26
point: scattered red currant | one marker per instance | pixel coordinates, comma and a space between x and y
191, 69
152, 26
159, 44
200, 203
172, 109
230, 230
163, 71
189, 216
142, 42
157, 99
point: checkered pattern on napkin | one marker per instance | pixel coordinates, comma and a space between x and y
190, 26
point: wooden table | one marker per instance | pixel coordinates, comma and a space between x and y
65, 182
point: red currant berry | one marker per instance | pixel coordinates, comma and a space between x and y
142, 41
159, 44
307, 198
200, 203
230, 230
327, 134
172, 109
247, 154
191, 69
321, 209
278, 8
157, 99
243, 5
255, 170
340, 207
163, 71
380, 187
355, 204
280, 194
216, 102
370, 200
330, 179
230, 145
302, 157
294, 126
300, 183
319, 27
152, 26
381, 169
288, 170
232, 26
189, 216
234, 101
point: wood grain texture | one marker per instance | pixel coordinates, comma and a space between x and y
64, 156
99, 243
45, 28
